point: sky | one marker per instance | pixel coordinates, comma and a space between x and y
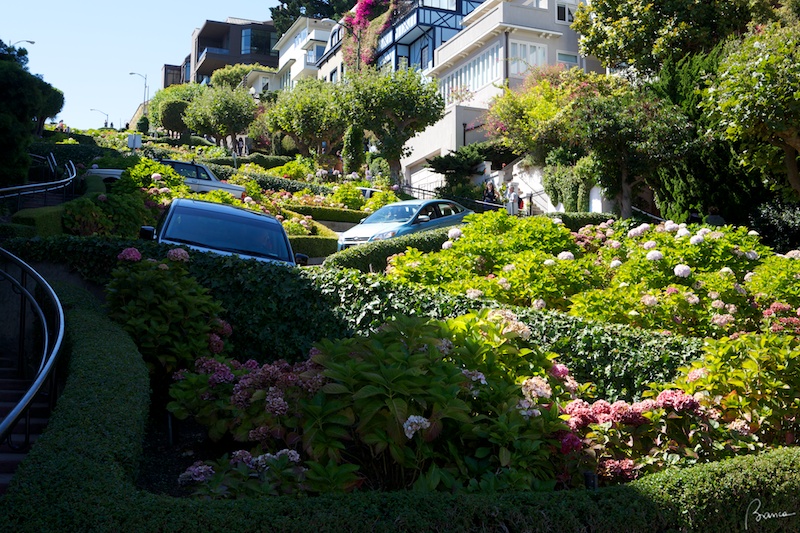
88, 49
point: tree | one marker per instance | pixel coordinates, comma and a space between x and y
172, 116
629, 134
232, 75
14, 54
754, 96
221, 112
50, 104
19, 102
311, 113
183, 92
642, 33
288, 11
710, 172
393, 106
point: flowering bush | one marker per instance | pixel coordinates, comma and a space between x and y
170, 316
458, 405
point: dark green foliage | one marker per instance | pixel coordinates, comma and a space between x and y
77, 153
18, 104
778, 223
461, 166
711, 173
371, 257
619, 360
143, 124
106, 214
46, 220
353, 150
269, 182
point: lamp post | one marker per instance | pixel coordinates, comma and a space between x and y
103, 112
22, 41
144, 100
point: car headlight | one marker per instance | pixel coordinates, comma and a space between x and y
385, 235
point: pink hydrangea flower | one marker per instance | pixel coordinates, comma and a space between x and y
649, 245
559, 371
178, 255
696, 373
215, 343
570, 442
677, 400
580, 414
130, 254
156, 176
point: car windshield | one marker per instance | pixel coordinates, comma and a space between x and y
228, 232
393, 213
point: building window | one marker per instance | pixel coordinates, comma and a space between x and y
334, 76
567, 59
523, 56
259, 42
449, 5
565, 12
424, 57
459, 86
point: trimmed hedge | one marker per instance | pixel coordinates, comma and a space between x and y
371, 257
46, 220
313, 245
80, 476
576, 220
287, 310
331, 214
10, 231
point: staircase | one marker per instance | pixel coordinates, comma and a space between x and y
31, 333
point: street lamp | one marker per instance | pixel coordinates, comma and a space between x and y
22, 41
103, 112
144, 100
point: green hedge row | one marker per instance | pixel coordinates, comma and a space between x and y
576, 220
279, 312
77, 153
332, 214
273, 183
80, 476
314, 245
371, 257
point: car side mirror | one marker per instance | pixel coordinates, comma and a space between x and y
301, 259
423, 218
147, 233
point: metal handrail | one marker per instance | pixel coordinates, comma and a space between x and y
35, 188
28, 283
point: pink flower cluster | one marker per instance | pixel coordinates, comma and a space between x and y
677, 400
218, 372
178, 255
215, 343
570, 442
622, 470
415, 423
197, 473
130, 254
582, 413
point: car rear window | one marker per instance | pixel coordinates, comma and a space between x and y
228, 232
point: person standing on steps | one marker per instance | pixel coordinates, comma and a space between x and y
512, 200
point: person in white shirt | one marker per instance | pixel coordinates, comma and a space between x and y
512, 200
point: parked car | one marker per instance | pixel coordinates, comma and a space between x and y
402, 218
200, 178
197, 176
224, 229
368, 192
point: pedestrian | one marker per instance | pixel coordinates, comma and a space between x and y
714, 218
240, 146
490, 193
694, 217
512, 200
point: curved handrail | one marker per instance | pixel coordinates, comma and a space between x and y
52, 340
33, 188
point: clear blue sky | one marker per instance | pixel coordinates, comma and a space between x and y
88, 48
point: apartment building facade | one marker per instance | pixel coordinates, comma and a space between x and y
300, 49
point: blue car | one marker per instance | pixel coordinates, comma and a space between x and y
402, 218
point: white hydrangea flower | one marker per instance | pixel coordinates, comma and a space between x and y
654, 255
615, 263
697, 239
566, 256
682, 271
683, 232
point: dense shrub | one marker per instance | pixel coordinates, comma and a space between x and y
778, 223
575, 221
331, 214
121, 215
264, 161
269, 182
349, 196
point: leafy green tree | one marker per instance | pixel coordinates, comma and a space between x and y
51, 102
183, 92
19, 102
232, 75
754, 96
629, 135
172, 116
143, 124
393, 106
353, 149
14, 54
643, 33
710, 172
221, 112
311, 114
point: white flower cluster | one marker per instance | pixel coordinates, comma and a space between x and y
682, 271
414, 424
654, 255
566, 256
638, 231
